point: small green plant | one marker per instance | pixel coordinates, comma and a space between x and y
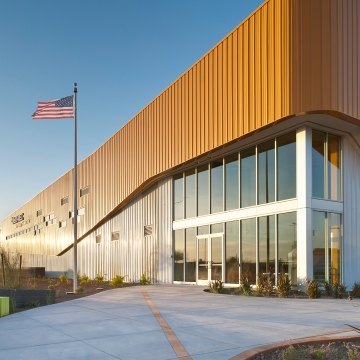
283, 285
63, 278
84, 279
289, 353
313, 289
99, 278
79, 290
216, 286
265, 284
245, 286
144, 279
49, 298
117, 280
338, 290
355, 292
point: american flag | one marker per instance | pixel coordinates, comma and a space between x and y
55, 109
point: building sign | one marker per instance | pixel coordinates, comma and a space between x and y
18, 218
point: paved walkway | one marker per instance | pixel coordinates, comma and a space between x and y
167, 322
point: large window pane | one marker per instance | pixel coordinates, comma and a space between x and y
203, 190
287, 253
178, 197
217, 186
334, 173
179, 251
203, 230
232, 252
248, 178
190, 254
217, 228
318, 164
248, 249
286, 166
319, 245
266, 172
334, 221
266, 236
232, 182
190, 198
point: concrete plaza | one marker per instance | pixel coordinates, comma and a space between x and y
168, 322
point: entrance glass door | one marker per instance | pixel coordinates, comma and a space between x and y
210, 250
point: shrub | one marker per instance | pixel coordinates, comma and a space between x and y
144, 279
312, 289
79, 289
265, 284
283, 285
117, 280
216, 286
99, 278
356, 290
328, 288
63, 278
84, 279
10, 263
338, 290
245, 286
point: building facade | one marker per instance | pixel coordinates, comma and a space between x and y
248, 164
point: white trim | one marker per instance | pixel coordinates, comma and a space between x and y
327, 205
238, 214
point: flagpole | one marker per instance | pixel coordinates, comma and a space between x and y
75, 189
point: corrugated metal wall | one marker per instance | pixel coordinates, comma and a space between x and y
351, 174
288, 57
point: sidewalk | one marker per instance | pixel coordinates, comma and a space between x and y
168, 322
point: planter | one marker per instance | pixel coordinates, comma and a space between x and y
26, 298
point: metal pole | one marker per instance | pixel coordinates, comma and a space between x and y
75, 189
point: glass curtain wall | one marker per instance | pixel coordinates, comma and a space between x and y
248, 177
287, 245
326, 166
286, 166
179, 252
266, 173
232, 182
217, 186
203, 181
178, 197
190, 263
327, 244
266, 235
232, 252
190, 196
248, 250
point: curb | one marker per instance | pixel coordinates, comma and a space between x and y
313, 340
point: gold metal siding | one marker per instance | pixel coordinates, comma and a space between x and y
288, 57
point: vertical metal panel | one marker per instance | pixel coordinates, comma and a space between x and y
288, 57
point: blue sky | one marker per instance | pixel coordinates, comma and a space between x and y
122, 53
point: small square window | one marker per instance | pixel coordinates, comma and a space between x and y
148, 230
115, 236
64, 200
39, 213
98, 239
84, 191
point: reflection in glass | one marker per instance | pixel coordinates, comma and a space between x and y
287, 253
216, 258
203, 230
203, 259
266, 236
232, 182
266, 173
190, 194
248, 249
217, 186
334, 174
190, 265
318, 164
178, 197
334, 232
217, 228
318, 222
248, 179
203, 190
232, 252
286, 166
179, 249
